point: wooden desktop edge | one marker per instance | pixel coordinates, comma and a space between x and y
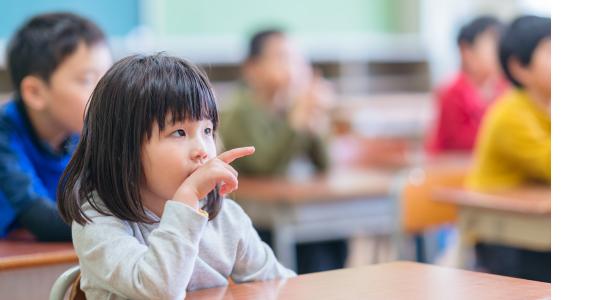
38, 259
449, 195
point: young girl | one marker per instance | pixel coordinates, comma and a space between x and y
144, 189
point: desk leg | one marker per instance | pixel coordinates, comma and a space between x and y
466, 241
403, 245
284, 245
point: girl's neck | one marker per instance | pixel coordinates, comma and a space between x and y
152, 203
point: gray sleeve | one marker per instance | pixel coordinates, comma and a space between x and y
115, 261
255, 260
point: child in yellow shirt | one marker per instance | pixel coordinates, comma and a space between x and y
513, 146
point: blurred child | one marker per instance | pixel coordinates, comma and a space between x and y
278, 108
513, 148
514, 145
281, 108
54, 61
144, 189
463, 102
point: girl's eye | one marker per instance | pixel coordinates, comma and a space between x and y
178, 133
208, 131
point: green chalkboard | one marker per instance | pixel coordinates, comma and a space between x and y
238, 17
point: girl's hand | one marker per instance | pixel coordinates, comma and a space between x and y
209, 175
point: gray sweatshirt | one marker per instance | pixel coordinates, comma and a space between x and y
182, 252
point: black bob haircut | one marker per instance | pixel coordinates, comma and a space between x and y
470, 31
136, 92
520, 40
258, 41
41, 44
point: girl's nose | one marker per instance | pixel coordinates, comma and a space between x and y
199, 152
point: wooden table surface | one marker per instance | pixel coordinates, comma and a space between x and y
530, 200
340, 184
26, 254
397, 280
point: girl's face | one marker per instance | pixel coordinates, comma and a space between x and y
171, 155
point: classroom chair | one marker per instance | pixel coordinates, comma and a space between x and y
418, 210
69, 279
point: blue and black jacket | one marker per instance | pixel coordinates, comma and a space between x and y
29, 175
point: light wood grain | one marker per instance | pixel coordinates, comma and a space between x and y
528, 200
398, 280
27, 254
341, 184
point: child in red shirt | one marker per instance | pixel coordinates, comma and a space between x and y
463, 102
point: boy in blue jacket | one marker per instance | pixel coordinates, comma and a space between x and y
55, 61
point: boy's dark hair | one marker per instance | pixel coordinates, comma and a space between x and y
258, 41
136, 93
41, 44
470, 31
520, 40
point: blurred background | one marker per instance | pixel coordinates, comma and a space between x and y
383, 62
363, 46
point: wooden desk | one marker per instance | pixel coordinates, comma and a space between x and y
519, 218
28, 268
21, 254
397, 280
337, 205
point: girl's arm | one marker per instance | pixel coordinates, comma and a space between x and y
112, 259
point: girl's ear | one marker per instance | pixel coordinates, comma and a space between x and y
34, 92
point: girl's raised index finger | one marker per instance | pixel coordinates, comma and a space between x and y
233, 154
